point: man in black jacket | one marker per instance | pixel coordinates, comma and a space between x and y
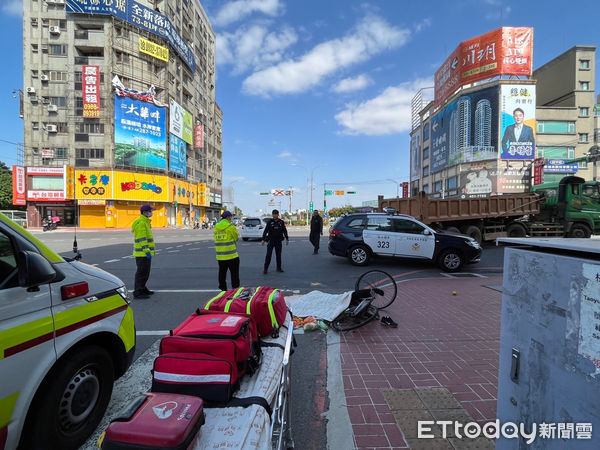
316, 231
275, 232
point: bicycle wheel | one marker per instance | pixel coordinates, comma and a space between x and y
382, 286
346, 322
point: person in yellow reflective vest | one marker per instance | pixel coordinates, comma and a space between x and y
143, 250
226, 236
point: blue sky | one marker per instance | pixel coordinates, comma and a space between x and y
328, 82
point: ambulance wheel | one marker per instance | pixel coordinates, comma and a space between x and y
74, 400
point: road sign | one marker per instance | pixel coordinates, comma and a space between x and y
310, 207
350, 192
264, 193
328, 192
339, 192
278, 191
271, 203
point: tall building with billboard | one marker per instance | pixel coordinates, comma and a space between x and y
120, 110
491, 116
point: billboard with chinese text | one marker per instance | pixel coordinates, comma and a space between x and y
140, 186
415, 156
175, 119
199, 136
141, 16
177, 155
466, 130
19, 190
187, 133
517, 121
477, 180
90, 86
140, 134
94, 184
505, 51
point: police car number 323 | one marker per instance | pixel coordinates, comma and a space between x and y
359, 237
66, 333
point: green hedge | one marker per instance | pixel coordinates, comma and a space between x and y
298, 222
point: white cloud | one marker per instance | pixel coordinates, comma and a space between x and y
371, 36
253, 47
388, 113
284, 155
425, 23
237, 10
352, 84
13, 7
501, 13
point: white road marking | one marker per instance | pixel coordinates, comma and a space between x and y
194, 248
189, 243
112, 260
127, 257
173, 251
152, 333
180, 246
169, 248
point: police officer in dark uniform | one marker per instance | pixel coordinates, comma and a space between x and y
274, 234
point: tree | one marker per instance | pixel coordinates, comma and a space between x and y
6, 187
336, 212
237, 212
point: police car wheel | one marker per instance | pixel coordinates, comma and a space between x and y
450, 260
359, 255
75, 399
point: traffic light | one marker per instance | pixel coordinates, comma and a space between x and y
350, 192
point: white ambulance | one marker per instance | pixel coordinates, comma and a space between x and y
66, 334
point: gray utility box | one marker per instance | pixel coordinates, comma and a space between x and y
549, 371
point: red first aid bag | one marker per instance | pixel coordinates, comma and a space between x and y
223, 335
265, 305
156, 421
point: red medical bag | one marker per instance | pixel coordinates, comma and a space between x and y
156, 421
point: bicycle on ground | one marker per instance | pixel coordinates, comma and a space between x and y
374, 290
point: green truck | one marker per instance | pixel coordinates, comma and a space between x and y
568, 208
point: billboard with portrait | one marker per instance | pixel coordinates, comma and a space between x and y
466, 130
415, 156
478, 180
177, 155
517, 121
140, 134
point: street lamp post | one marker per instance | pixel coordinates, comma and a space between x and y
397, 186
312, 173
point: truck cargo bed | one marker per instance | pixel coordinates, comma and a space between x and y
454, 209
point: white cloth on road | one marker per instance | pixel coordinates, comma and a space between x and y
319, 305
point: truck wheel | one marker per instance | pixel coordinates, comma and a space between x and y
450, 260
74, 400
474, 232
580, 231
516, 230
359, 255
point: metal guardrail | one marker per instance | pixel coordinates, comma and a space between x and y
19, 217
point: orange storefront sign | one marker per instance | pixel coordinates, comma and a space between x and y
19, 189
181, 191
201, 197
505, 51
140, 187
94, 184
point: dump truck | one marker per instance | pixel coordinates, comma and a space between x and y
569, 208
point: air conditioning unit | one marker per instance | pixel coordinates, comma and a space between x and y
54, 30
51, 128
33, 99
30, 90
52, 108
44, 77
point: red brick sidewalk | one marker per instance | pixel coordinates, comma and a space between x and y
442, 340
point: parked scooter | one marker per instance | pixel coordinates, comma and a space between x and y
49, 224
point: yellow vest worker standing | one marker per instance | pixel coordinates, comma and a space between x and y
143, 250
226, 236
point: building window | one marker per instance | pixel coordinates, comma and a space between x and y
555, 127
426, 153
57, 76
426, 188
584, 63
583, 137
451, 183
90, 128
60, 153
61, 102
426, 131
89, 153
57, 49
584, 85
556, 152
425, 171
437, 186
34, 48
122, 57
584, 111
35, 125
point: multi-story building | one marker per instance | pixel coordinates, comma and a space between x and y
100, 79
565, 108
470, 156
